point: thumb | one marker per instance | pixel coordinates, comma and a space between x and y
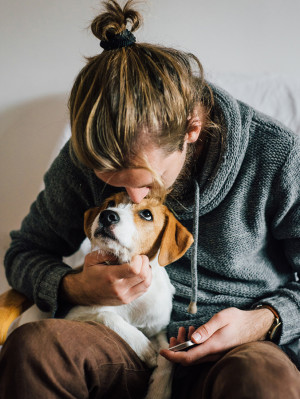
139, 261
206, 330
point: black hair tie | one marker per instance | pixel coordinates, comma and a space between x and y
123, 39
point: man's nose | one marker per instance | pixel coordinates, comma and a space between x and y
137, 194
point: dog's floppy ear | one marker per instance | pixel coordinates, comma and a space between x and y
89, 217
175, 242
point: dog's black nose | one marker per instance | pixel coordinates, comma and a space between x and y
109, 217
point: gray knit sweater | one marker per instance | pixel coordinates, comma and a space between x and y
249, 225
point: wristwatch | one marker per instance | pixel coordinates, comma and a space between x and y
275, 329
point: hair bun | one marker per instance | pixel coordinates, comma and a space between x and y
123, 39
113, 20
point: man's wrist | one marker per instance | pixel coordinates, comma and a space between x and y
274, 330
69, 290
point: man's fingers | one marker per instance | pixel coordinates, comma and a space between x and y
124, 282
174, 357
204, 352
181, 336
191, 331
138, 270
97, 257
185, 358
173, 342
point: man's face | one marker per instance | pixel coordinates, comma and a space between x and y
138, 182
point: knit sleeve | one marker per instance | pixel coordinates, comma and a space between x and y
52, 229
286, 229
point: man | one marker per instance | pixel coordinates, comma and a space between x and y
141, 118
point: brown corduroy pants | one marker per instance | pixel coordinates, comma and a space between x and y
67, 360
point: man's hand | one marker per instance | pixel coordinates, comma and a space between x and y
109, 285
225, 330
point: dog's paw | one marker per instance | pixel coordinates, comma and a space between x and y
146, 352
150, 357
143, 348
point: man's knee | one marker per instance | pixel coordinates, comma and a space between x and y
76, 357
258, 369
33, 343
49, 338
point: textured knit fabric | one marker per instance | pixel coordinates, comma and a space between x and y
249, 225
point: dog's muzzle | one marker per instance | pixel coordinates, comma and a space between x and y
107, 219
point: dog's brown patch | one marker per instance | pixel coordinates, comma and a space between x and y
164, 232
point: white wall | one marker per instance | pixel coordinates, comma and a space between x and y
43, 44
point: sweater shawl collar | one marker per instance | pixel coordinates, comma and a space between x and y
220, 170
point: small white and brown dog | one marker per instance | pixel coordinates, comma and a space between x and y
123, 229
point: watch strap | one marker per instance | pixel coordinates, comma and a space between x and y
274, 330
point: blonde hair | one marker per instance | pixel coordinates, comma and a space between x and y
127, 98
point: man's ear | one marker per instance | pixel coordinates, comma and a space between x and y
175, 242
193, 128
89, 217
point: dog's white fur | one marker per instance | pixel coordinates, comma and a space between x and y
140, 323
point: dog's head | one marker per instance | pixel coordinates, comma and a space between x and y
124, 229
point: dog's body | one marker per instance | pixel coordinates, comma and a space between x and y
124, 229
139, 321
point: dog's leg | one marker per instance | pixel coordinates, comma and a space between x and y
160, 384
134, 337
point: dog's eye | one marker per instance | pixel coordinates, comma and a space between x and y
111, 204
146, 214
